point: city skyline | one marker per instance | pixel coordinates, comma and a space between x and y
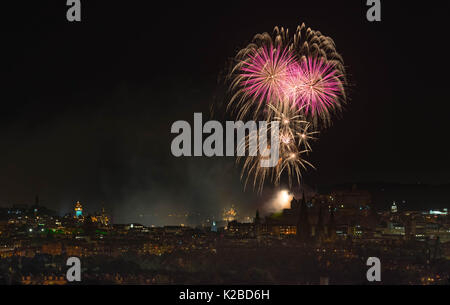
328, 232
280, 199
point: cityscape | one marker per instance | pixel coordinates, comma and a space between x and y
324, 239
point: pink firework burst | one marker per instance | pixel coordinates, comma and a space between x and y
264, 73
315, 85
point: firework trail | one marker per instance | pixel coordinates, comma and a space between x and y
309, 43
295, 136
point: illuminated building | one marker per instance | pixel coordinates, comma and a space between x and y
439, 212
310, 223
78, 209
101, 218
104, 219
214, 227
237, 228
230, 214
394, 208
284, 230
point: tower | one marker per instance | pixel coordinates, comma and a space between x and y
320, 227
103, 218
332, 226
257, 218
78, 209
35, 207
257, 224
394, 208
214, 226
294, 204
303, 225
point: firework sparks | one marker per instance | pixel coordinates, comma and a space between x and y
306, 42
260, 78
295, 135
316, 86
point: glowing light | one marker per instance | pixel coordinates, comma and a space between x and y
282, 200
285, 138
284, 196
78, 209
229, 214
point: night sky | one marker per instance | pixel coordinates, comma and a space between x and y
86, 108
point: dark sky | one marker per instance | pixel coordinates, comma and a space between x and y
87, 107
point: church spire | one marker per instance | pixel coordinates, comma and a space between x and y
320, 226
303, 225
257, 218
332, 225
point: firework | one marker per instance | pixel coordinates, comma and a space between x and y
304, 69
306, 42
295, 135
316, 86
260, 78
297, 80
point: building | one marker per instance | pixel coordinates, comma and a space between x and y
78, 209
229, 214
394, 208
308, 220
